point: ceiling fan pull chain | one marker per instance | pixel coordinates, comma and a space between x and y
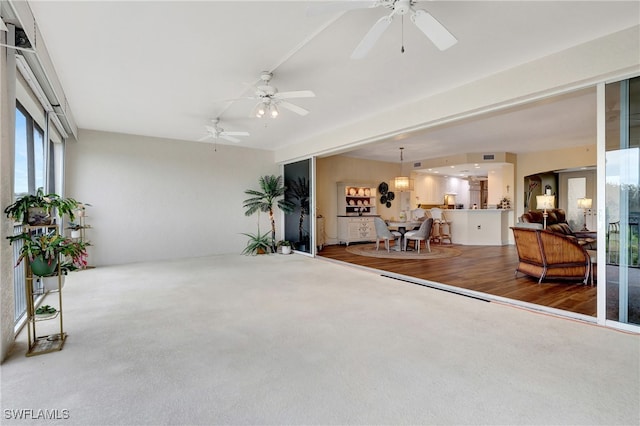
402, 35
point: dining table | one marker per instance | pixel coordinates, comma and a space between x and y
402, 228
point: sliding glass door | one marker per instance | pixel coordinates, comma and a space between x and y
622, 192
298, 227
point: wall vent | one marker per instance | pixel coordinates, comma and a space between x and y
487, 157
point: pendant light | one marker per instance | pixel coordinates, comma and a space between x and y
402, 183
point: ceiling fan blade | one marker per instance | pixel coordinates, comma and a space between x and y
204, 138
339, 6
372, 37
229, 138
433, 29
292, 107
295, 94
225, 133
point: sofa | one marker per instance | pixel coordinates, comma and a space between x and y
557, 222
544, 254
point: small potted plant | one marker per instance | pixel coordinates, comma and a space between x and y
284, 246
36, 209
75, 230
258, 243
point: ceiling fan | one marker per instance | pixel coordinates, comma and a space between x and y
215, 132
434, 30
269, 99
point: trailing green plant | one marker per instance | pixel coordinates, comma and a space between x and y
20, 208
50, 247
45, 310
271, 192
258, 243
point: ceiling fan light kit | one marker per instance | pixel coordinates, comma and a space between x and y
269, 99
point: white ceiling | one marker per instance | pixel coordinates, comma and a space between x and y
161, 68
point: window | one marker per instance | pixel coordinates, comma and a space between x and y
30, 155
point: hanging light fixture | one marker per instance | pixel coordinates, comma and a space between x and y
260, 110
266, 107
273, 111
402, 183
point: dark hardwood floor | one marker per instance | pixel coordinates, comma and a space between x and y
487, 269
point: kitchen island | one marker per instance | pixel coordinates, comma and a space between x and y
482, 227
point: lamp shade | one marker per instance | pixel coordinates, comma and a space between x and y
403, 183
584, 203
545, 202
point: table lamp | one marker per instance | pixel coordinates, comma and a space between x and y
584, 204
545, 202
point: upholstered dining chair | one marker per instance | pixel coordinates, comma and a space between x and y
383, 233
422, 234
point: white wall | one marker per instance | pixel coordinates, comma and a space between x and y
161, 199
500, 184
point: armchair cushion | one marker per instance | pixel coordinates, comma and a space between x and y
561, 228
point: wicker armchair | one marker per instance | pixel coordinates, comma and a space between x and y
545, 254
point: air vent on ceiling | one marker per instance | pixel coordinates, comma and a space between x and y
487, 157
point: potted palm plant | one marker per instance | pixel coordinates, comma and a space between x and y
37, 209
271, 192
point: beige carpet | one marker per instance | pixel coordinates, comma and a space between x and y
291, 340
437, 252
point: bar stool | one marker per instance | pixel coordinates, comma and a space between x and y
441, 226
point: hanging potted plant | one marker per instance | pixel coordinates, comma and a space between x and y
37, 209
